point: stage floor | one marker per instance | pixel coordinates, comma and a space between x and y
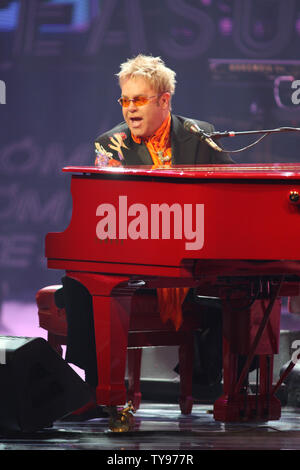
161, 427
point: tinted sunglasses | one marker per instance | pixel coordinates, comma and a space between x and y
137, 101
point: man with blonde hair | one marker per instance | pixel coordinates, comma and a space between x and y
150, 133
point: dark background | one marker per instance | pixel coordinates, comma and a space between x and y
235, 63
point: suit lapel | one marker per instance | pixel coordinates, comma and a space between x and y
136, 154
143, 154
183, 144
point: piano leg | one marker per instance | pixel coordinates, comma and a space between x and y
186, 357
134, 373
111, 306
249, 334
111, 334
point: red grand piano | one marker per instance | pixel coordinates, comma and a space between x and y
229, 231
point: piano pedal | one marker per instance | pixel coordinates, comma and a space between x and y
121, 420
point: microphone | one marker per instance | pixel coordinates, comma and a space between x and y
192, 127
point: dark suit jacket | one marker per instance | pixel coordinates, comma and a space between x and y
187, 148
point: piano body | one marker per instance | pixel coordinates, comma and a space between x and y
229, 231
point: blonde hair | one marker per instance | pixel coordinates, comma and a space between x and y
153, 69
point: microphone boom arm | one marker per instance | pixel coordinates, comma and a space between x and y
210, 137
218, 135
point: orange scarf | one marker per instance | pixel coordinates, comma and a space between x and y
158, 142
170, 300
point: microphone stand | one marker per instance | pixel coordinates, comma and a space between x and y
218, 135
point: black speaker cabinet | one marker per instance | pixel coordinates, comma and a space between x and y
37, 386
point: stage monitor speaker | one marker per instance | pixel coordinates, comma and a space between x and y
37, 386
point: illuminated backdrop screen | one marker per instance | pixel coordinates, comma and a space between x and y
235, 63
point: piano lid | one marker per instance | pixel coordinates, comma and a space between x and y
274, 171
